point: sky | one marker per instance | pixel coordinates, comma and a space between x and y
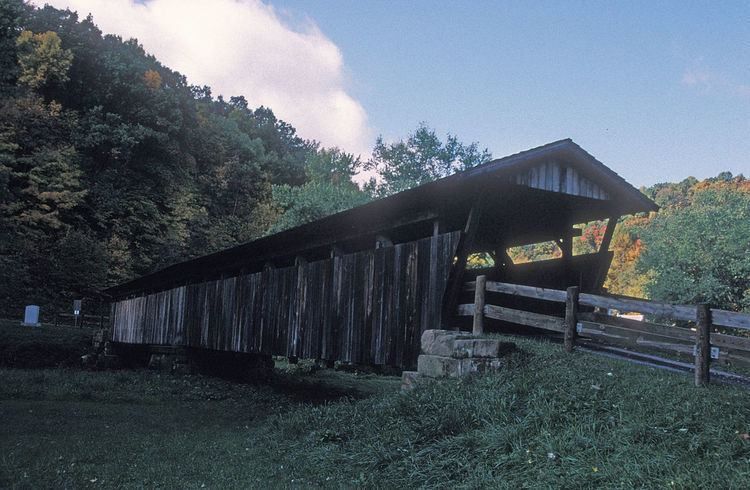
658, 91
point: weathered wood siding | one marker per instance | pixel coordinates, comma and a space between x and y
367, 308
559, 177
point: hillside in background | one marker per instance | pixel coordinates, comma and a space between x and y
113, 165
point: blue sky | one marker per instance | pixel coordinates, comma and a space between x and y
656, 90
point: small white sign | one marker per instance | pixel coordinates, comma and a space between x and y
714, 352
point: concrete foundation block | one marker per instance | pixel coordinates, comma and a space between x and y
443, 366
481, 348
441, 342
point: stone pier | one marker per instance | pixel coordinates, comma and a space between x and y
452, 354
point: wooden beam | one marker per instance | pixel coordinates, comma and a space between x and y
454, 286
536, 320
522, 290
608, 233
677, 312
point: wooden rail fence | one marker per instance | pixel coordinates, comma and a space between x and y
71, 320
592, 325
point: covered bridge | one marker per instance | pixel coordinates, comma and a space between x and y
360, 286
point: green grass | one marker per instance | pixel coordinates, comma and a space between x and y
551, 420
45, 346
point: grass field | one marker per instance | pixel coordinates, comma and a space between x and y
47, 346
551, 420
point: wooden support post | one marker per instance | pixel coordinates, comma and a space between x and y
608, 233
455, 285
702, 344
571, 318
436, 228
478, 326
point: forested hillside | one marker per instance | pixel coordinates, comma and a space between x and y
113, 165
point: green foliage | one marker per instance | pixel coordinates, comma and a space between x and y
421, 158
42, 60
329, 190
11, 15
104, 148
700, 252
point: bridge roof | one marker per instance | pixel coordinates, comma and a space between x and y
527, 197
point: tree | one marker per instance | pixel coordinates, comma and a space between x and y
421, 158
11, 13
329, 190
701, 252
42, 59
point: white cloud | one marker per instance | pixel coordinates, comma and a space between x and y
243, 47
712, 80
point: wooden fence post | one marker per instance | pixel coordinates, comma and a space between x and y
478, 325
702, 344
571, 318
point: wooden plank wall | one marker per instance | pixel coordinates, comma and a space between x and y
558, 177
369, 307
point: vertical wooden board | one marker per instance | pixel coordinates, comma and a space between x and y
226, 330
286, 303
401, 300
555, 182
312, 313
394, 328
423, 275
327, 317
333, 343
239, 313
414, 328
408, 323
297, 310
278, 317
347, 307
216, 308
251, 326
549, 177
378, 306
367, 307
194, 308
432, 292
264, 313
148, 328
180, 333
287, 340
388, 306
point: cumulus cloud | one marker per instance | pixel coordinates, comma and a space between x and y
244, 47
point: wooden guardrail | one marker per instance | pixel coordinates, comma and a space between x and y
601, 328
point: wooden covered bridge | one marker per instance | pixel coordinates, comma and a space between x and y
362, 285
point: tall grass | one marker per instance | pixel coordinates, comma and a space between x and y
549, 421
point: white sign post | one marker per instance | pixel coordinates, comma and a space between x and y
77, 309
